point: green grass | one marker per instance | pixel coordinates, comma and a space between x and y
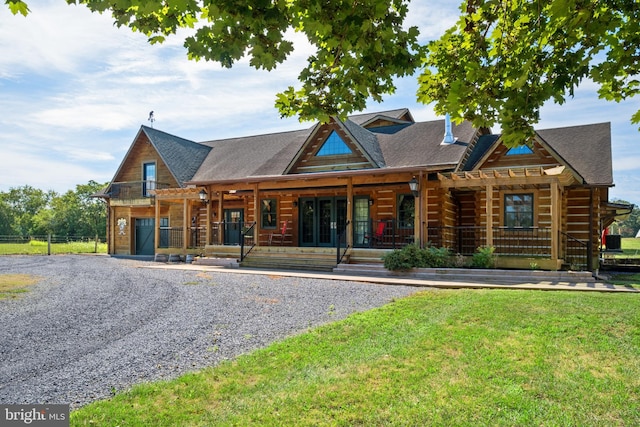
630, 247
463, 358
38, 247
13, 285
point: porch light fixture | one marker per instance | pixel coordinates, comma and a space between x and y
203, 196
413, 185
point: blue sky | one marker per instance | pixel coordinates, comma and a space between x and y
74, 91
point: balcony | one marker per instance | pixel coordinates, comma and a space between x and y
134, 193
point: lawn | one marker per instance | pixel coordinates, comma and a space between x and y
13, 285
463, 358
40, 247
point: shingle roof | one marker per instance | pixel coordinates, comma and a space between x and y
368, 141
182, 157
419, 144
413, 144
586, 148
361, 119
259, 155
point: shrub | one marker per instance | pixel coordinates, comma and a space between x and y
483, 258
412, 256
399, 259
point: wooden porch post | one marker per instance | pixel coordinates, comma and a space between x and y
220, 218
555, 221
208, 221
186, 222
256, 215
489, 209
417, 226
156, 231
350, 211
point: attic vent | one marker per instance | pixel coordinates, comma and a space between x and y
448, 133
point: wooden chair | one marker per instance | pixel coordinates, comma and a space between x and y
377, 236
279, 238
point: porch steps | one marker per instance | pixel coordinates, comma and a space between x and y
367, 256
470, 275
288, 258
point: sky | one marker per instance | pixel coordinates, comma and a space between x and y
74, 90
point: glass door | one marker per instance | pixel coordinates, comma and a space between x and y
233, 220
320, 219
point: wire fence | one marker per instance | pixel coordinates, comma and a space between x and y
51, 245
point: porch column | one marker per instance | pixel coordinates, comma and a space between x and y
417, 223
256, 215
555, 220
489, 210
208, 221
186, 222
350, 211
220, 218
156, 230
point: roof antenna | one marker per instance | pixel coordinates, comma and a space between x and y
448, 133
151, 118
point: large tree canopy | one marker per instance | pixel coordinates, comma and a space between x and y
498, 65
504, 59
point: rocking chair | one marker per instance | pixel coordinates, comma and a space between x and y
279, 238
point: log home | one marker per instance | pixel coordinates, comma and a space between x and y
351, 190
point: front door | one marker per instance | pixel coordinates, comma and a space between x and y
320, 219
145, 236
233, 220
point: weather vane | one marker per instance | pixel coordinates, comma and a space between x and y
151, 118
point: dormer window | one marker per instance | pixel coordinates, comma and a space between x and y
333, 146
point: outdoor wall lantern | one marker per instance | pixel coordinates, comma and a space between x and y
203, 196
371, 202
413, 185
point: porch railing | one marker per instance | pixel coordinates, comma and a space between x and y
171, 237
576, 252
383, 234
247, 241
341, 239
531, 242
134, 190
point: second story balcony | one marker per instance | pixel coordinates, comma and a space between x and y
134, 193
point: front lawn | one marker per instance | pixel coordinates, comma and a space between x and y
463, 358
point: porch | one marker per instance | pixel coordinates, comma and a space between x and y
521, 248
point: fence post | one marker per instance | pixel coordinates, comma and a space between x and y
95, 249
49, 244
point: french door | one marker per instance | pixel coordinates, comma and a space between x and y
321, 220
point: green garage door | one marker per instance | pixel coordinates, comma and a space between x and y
144, 236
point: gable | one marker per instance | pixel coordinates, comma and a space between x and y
141, 152
332, 147
519, 157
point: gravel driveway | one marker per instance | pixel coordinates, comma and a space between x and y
95, 325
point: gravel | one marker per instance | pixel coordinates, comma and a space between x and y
96, 325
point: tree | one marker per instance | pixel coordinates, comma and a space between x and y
499, 64
504, 59
24, 203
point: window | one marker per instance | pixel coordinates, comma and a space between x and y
518, 210
268, 213
149, 178
406, 211
334, 145
522, 149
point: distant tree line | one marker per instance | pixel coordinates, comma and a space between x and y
630, 226
28, 211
